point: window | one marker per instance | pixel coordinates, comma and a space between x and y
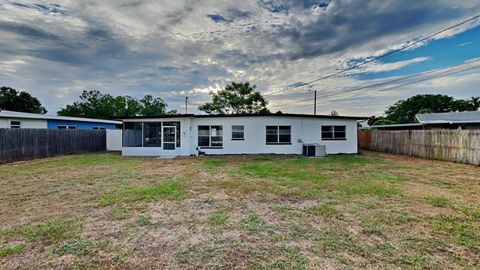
98, 127
238, 133
210, 136
66, 127
132, 134
334, 133
178, 134
278, 135
152, 134
15, 124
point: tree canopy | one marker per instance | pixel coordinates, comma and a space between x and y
404, 111
94, 104
20, 101
236, 98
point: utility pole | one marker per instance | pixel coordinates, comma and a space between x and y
315, 103
186, 105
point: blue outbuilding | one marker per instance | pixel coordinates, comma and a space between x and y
11, 119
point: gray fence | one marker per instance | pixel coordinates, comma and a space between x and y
26, 144
451, 145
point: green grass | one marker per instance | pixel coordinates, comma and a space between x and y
16, 249
278, 257
218, 220
253, 223
464, 232
119, 213
123, 253
168, 189
250, 212
325, 210
438, 201
53, 231
306, 178
76, 247
144, 220
213, 163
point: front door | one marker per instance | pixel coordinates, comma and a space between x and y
169, 138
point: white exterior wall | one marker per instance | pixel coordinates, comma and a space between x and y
303, 130
114, 139
24, 123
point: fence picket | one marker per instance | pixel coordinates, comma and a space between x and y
451, 145
26, 144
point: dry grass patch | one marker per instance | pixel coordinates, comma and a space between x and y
239, 212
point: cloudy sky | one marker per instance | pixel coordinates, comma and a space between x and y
172, 49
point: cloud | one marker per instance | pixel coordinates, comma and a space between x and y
174, 48
376, 67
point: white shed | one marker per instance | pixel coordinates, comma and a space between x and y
185, 135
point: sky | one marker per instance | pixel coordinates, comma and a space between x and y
173, 49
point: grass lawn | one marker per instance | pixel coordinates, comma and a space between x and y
239, 212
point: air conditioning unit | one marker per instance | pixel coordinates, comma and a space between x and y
314, 150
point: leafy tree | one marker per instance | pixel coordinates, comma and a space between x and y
236, 98
383, 121
94, 104
373, 120
20, 101
475, 103
152, 106
404, 111
334, 113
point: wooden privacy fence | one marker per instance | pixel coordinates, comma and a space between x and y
26, 144
451, 145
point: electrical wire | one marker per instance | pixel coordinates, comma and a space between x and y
380, 56
401, 85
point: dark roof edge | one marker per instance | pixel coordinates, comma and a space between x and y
242, 115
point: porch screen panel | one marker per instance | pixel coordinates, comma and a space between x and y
152, 134
132, 134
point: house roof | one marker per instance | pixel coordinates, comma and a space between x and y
23, 115
396, 126
449, 117
243, 115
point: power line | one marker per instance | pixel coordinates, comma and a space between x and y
399, 79
381, 56
405, 84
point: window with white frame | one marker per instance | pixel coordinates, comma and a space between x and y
278, 135
334, 133
15, 124
98, 127
66, 127
210, 136
238, 133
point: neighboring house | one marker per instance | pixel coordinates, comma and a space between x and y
10, 119
447, 120
184, 135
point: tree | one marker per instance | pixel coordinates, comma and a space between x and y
94, 104
20, 101
404, 111
383, 121
334, 113
236, 98
152, 106
475, 103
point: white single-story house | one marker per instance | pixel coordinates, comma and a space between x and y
188, 134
